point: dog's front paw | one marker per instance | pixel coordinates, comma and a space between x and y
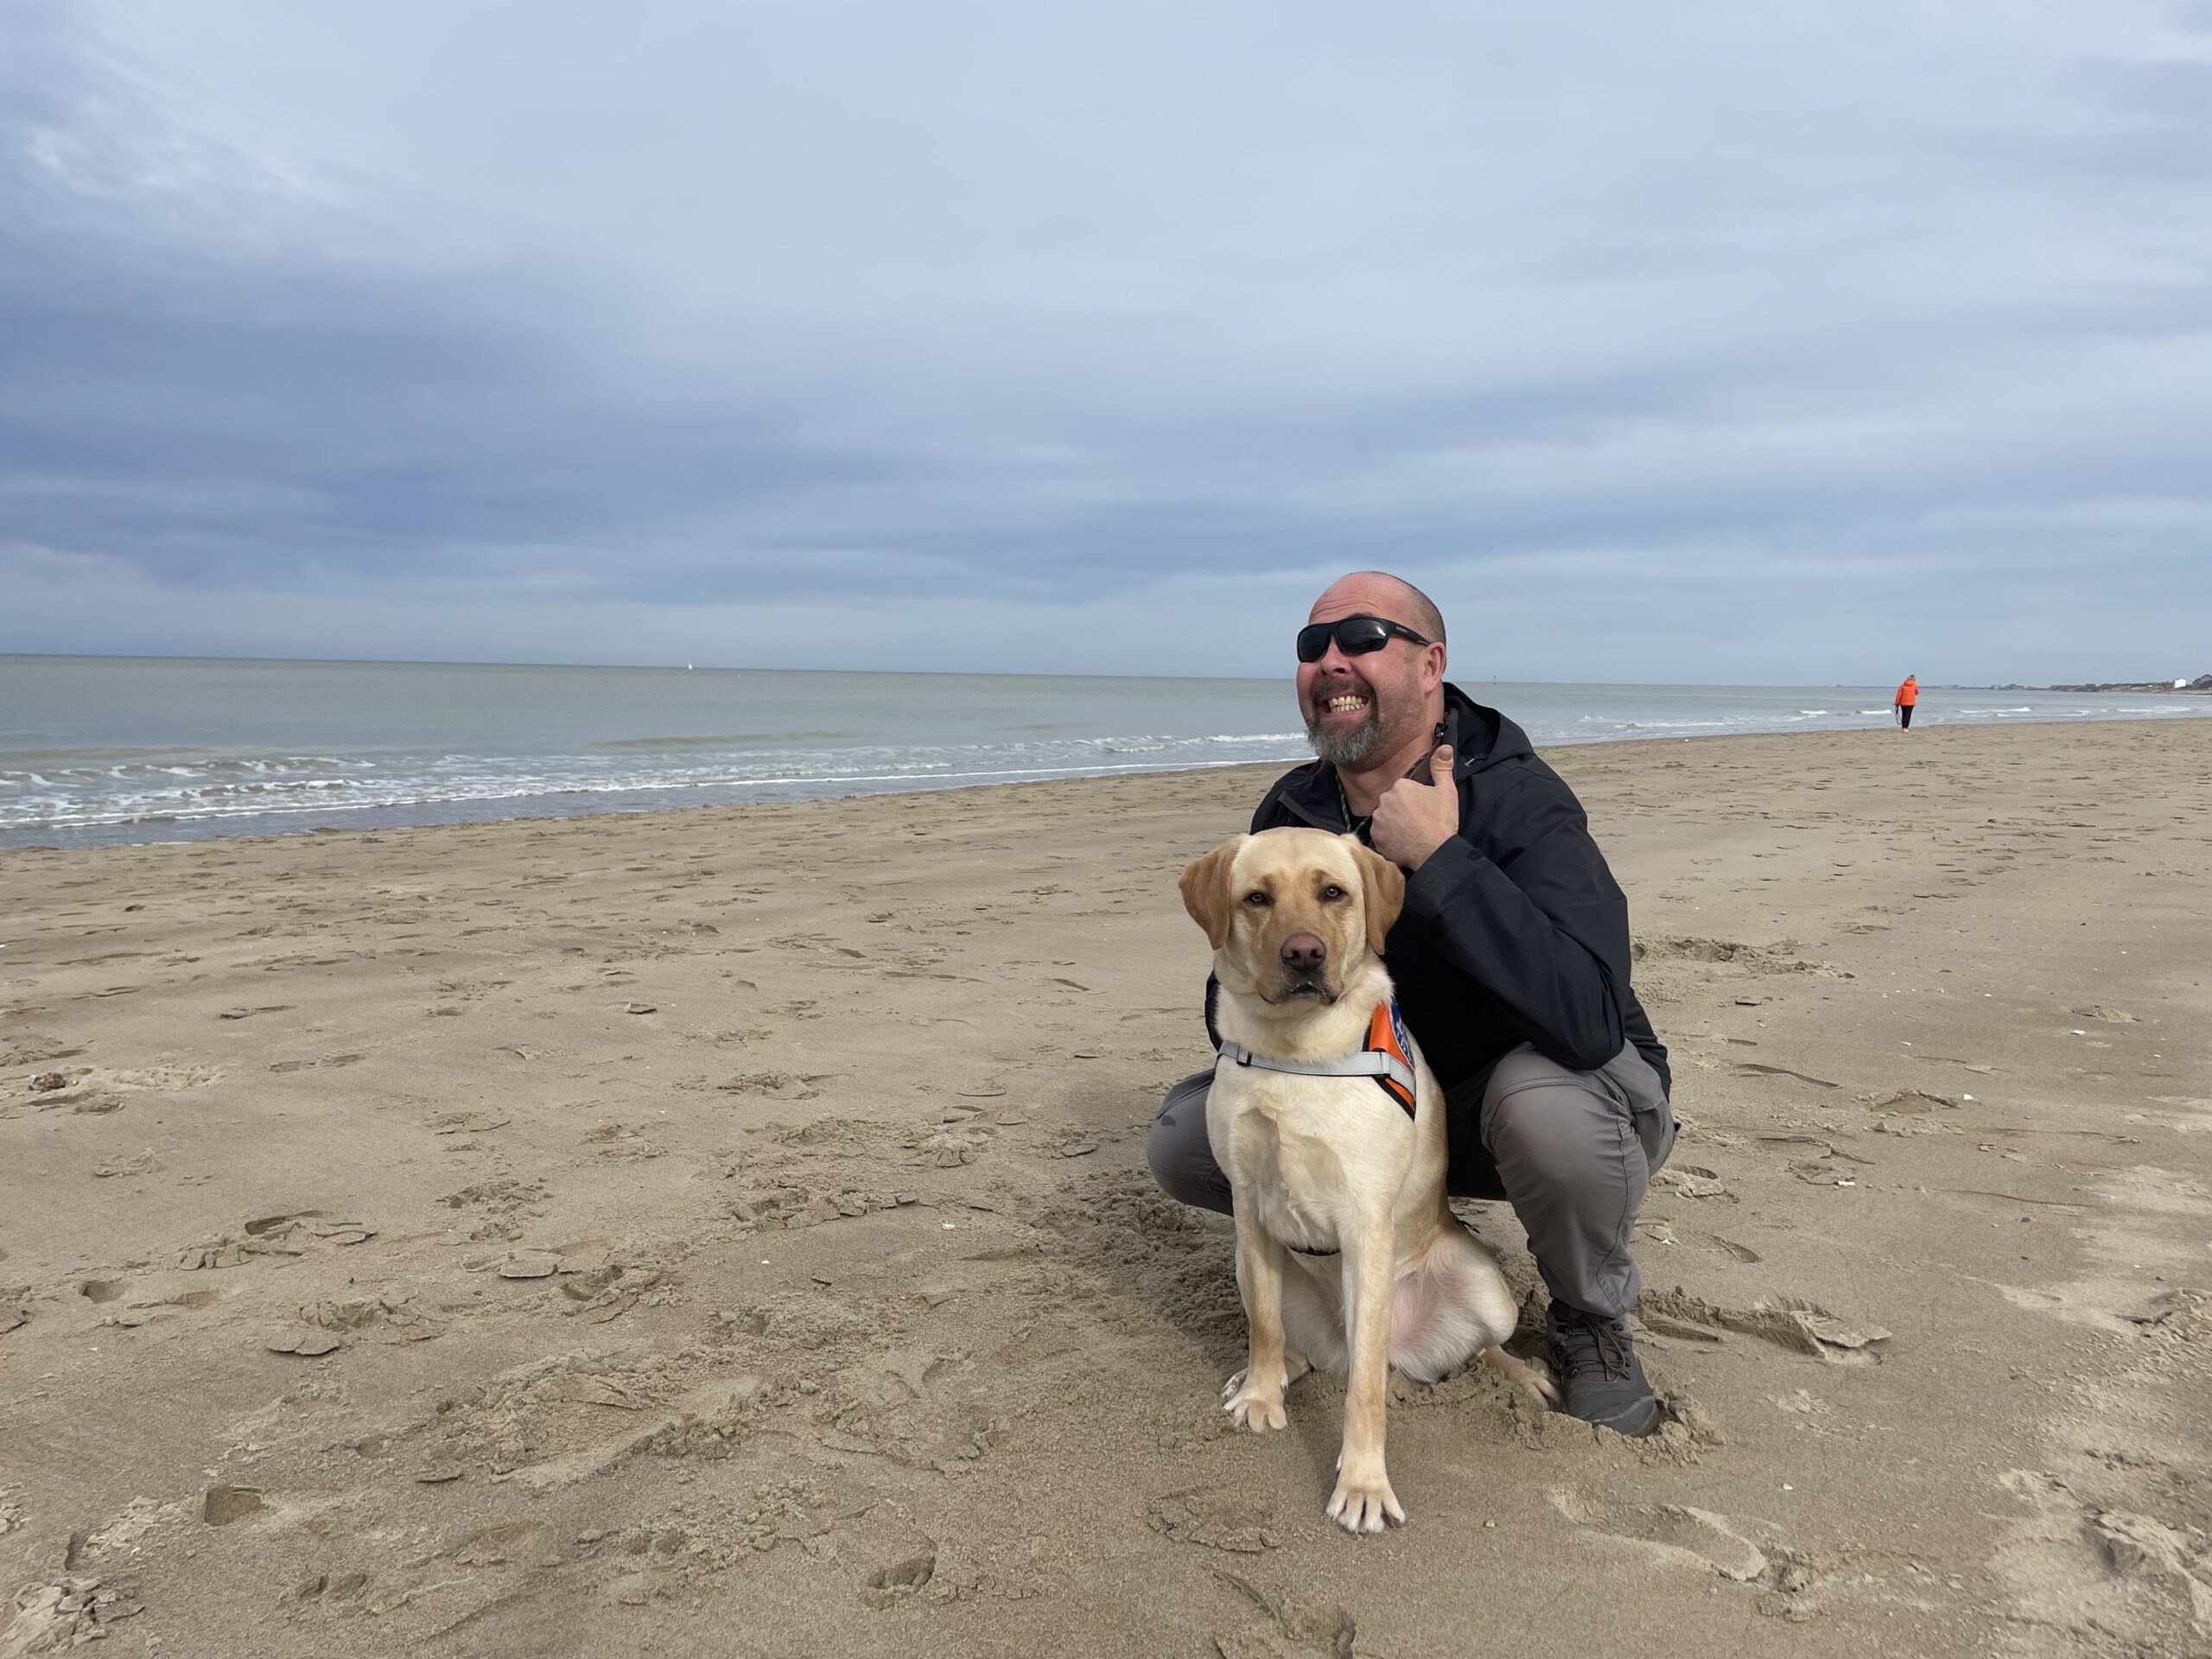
1365, 1505
1252, 1406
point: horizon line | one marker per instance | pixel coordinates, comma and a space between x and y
965, 673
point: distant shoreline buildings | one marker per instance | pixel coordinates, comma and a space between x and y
2202, 682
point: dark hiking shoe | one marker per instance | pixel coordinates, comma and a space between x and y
1598, 1370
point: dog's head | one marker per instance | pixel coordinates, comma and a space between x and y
1290, 911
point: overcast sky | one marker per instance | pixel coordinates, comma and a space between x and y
1770, 341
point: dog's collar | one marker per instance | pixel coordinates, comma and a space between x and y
1383, 1058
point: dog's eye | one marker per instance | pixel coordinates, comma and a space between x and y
1332, 892
1257, 899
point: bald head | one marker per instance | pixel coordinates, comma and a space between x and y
1376, 707
1378, 592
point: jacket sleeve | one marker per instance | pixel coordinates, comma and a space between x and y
1541, 925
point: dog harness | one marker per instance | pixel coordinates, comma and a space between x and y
1383, 1058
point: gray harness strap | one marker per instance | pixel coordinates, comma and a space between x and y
1385, 1069
1368, 1063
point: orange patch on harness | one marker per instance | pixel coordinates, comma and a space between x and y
1386, 1035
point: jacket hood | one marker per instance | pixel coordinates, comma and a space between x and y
1480, 738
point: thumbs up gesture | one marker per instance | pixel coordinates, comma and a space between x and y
1419, 814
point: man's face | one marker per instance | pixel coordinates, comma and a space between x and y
1358, 707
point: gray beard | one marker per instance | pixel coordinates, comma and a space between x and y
1352, 747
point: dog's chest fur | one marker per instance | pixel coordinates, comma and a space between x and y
1304, 1146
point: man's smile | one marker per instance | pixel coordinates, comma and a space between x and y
1343, 699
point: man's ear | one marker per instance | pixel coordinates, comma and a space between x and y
1384, 890
1432, 666
1206, 890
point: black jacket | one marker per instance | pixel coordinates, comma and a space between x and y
1514, 931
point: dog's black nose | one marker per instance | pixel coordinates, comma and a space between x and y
1303, 951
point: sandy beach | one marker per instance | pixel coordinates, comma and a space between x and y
727, 1231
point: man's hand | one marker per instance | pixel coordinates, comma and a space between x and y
1416, 815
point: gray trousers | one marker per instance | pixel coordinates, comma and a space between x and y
1571, 1151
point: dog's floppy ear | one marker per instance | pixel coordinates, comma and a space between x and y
1384, 886
1206, 890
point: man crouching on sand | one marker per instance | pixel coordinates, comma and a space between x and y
1511, 963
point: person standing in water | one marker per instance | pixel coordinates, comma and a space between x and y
1907, 697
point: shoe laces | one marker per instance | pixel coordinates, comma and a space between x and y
1588, 1344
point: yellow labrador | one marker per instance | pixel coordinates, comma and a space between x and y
1331, 1128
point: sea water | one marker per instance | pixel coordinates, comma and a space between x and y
96, 750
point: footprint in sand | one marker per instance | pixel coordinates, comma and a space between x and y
50, 1617
597, 1283
776, 1085
1754, 1069
321, 1060
1690, 1181
223, 1503
326, 1326
2105, 1575
507, 1205
292, 1233
93, 1089
555, 1422
1295, 1627
1214, 1517
527, 1544
801, 1176
1909, 1102
1730, 1247
1800, 1327
469, 1123
340, 1590
1674, 1533
139, 1163
888, 1585
35, 1048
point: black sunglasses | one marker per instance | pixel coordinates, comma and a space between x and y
1354, 636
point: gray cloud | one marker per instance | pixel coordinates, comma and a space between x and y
1738, 344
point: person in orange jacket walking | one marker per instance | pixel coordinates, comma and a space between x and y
1907, 697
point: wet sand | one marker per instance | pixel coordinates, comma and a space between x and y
726, 1232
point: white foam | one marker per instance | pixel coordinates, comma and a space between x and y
97, 791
